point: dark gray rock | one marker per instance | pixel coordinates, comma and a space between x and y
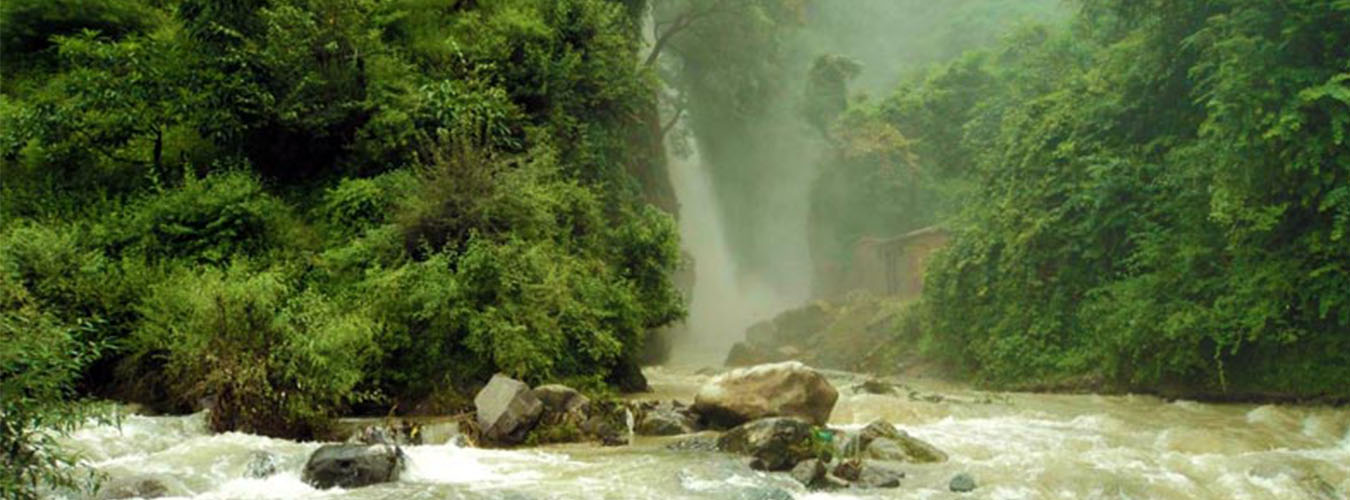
665, 422
962, 483
607, 422
506, 410
848, 470
775, 444
877, 476
560, 399
696, 443
261, 464
813, 474
352, 465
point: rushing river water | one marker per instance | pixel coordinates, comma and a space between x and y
1015, 445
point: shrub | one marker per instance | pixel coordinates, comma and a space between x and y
358, 204
210, 219
40, 361
278, 360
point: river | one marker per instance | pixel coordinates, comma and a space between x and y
1015, 445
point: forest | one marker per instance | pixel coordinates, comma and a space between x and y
304, 209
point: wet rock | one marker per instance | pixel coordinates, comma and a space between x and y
897, 445
885, 449
962, 483
848, 470
506, 410
874, 386
261, 464
878, 476
696, 443
788, 389
809, 472
607, 423
665, 422
815, 475
352, 465
775, 444
133, 487
560, 399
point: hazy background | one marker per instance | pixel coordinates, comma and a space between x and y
744, 159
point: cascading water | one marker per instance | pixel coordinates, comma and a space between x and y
724, 303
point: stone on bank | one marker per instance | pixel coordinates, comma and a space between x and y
507, 409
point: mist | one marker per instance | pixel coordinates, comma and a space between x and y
745, 163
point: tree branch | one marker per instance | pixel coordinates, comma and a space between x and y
684, 21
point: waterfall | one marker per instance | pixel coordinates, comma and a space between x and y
724, 300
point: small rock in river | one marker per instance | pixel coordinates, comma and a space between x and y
962, 483
261, 464
352, 465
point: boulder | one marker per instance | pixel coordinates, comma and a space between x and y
663, 422
815, 475
775, 444
560, 399
809, 472
506, 410
962, 483
788, 389
878, 476
848, 470
607, 422
885, 449
261, 464
892, 444
352, 465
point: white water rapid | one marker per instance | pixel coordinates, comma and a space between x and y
1015, 446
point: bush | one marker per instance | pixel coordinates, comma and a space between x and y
41, 358
355, 205
211, 219
278, 360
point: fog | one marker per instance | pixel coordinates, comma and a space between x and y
743, 158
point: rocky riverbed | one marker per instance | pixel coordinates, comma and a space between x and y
996, 445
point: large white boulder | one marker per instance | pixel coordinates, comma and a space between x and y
788, 389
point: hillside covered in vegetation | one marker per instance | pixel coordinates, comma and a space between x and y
1153, 196
301, 208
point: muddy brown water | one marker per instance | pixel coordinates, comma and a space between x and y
1015, 445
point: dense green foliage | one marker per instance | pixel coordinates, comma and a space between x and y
1152, 198
287, 209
